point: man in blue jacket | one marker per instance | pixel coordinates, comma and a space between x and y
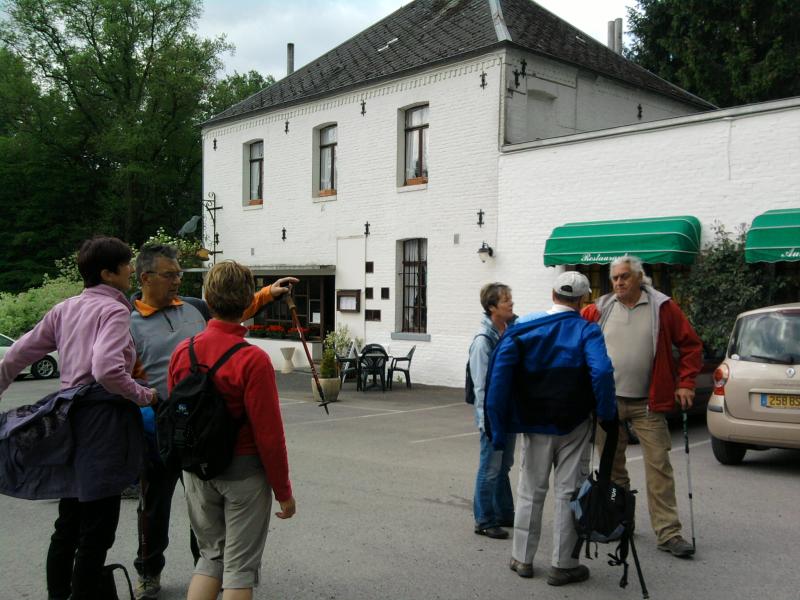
549, 372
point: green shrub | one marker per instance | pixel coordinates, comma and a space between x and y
340, 340
327, 369
20, 312
721, 284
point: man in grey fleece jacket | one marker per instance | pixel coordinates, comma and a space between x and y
159, 322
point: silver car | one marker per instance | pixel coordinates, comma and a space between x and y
44, 368
756, 399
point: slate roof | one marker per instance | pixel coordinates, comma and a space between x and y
427, 32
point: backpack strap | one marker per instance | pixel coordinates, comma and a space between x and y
224, 358
607, 457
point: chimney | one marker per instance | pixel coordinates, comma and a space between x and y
289, 58
610, 43
618, 36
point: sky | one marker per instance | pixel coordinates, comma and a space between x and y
260, 29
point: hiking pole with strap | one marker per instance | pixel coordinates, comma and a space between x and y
293, 308
689, 475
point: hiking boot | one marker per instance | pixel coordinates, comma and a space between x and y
677, 546
147, 587
558, 576
522, 569
496, 533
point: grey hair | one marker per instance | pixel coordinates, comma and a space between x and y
148, 255
635, 263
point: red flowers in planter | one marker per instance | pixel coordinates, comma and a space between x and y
267, 331
294, 334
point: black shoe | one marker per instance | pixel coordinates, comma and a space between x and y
558, 576
493, 532
522, 569
677, 546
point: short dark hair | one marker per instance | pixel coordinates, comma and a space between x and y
98, 253
491, 293
149, 254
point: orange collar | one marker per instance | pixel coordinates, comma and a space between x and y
146, 310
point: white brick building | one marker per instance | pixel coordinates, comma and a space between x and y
488, 77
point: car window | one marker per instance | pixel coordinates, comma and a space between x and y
5, 342
772, 337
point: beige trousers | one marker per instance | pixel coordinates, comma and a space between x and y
651, 428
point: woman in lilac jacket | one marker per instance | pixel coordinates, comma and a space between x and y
91, 332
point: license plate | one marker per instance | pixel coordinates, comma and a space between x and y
780, 401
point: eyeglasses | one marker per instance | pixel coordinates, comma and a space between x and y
172, 275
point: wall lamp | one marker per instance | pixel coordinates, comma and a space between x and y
485, 251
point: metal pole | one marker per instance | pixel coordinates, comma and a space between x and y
293, 308
689, 475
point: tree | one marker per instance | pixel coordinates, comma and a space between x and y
728, 52
100, 103
132, 75
233, 89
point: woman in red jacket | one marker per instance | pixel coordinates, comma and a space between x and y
230, 513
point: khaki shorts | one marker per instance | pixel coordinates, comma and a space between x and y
230, 517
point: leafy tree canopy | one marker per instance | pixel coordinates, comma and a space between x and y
728, 52
100, 102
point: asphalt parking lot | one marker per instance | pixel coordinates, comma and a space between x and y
384, 491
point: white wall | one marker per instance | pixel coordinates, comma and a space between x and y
727, 166
464, 126
730, 165
556, 99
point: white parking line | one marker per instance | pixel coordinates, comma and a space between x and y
389, 414
444, 437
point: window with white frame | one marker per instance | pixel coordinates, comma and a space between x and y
416, 145
415, 286
327, 160
256, 172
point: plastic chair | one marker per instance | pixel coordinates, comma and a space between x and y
348, 365
394, 367
372, 362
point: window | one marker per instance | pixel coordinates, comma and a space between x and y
369, 267
384, 293
415, 278
372, 315
327, 161
416, 145
368, 293
256, 171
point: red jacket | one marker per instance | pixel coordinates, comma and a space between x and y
673, 329
247, 382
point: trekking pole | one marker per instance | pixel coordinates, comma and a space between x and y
689, 474
293, 308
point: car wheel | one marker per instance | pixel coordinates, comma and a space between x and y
727, 453
45, 368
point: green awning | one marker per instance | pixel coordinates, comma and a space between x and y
673, 240
774, 236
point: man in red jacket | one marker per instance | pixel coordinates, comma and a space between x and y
641, 325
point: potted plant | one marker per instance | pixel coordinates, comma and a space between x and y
328, 376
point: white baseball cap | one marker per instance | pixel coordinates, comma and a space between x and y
572, 284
